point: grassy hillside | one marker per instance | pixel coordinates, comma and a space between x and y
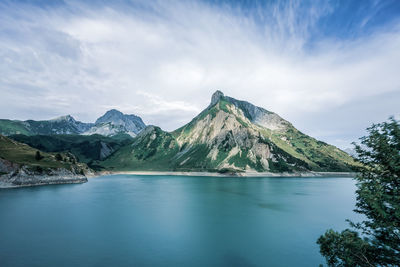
318, 155
86, 148
153, 149
25, 155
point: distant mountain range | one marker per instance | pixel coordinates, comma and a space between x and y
230, 135
111, 123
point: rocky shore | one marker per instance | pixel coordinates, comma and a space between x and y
23, 179
13, 175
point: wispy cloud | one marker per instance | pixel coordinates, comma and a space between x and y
161, 105
163, 59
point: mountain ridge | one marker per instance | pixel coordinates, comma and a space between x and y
107, 125
230, 135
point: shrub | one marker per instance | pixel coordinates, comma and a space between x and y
38, 156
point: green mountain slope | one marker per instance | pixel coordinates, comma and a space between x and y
87, 148
152, 149
8, 127
61, 125
230, 135
14, 155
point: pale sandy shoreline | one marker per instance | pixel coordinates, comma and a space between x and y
214, 174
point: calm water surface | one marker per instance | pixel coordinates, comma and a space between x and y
127, 220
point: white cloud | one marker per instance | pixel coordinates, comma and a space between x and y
160, 105
163, 62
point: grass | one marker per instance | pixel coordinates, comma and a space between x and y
241, 160
318, 155
86, 148
145, 153
25, 155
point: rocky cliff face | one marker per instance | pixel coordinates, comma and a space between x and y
256, 115
228, 135
16, 175
230, 132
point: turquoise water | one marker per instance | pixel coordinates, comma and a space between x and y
127, 220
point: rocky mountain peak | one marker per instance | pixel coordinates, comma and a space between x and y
114, 112
112, 115
114, 122
116, 117
216, 97
255, 114
67, 118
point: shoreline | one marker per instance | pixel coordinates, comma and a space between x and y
46, 180
40, 180
5, 185
215, 174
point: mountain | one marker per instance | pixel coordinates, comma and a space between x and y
114, 122
230, 135
61, 125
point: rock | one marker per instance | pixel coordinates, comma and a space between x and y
216, 97
14, 175
23, 176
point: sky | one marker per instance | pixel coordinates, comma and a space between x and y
331, 68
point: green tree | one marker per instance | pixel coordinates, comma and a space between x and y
38, 156
59, 157
378, 199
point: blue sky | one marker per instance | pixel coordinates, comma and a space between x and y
329, 67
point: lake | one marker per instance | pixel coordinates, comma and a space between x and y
128, 220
